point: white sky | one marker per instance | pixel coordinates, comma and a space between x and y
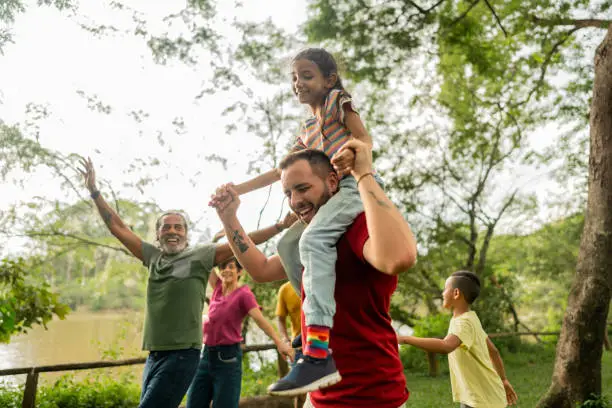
52, 58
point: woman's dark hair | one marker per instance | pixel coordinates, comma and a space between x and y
325, 62
227, 261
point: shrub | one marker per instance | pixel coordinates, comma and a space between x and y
100, 390
595, 401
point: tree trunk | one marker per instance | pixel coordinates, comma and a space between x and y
577, 372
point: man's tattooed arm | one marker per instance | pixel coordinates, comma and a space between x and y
380, 202
110, 218
116, 226
239, 241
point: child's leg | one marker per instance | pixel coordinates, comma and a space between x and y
317, 250
289, 253
318, 255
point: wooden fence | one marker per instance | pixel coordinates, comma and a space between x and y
32, 373
31, 385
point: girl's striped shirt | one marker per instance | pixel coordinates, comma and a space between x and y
330, 133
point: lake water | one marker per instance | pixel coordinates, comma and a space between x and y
81, 337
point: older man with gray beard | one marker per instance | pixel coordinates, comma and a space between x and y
176, 288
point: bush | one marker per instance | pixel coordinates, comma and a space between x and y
596, 401
413, 359
432, 326
95, 391
257, 382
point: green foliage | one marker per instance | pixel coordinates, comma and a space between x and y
9, 9
541, 265
24, 302
413, 359
596, 401
432, 326
256, 382
96, 390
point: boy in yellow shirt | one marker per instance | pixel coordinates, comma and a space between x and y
478, 378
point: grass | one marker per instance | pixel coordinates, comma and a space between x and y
529, 371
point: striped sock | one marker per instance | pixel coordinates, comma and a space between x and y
317, 341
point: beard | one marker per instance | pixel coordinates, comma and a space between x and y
321, 201
172, 249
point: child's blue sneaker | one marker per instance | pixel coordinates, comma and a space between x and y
309, 374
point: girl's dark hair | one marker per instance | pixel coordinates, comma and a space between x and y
325, 62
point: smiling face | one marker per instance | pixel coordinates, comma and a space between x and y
309, 83
172, 234
229, 272
306, 190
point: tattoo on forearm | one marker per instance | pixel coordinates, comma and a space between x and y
379, 201
107, 216
239, 241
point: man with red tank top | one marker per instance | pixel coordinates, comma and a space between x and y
375, 249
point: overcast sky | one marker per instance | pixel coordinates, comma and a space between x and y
56, 63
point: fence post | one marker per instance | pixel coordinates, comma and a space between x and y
29, 394
434, 365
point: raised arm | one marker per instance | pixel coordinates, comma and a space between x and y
260, 267
115, 225
391, 247
355, 125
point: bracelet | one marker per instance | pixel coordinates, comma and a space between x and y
95, 194
364, 175
279, 227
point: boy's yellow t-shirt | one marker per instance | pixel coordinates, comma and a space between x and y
474, 380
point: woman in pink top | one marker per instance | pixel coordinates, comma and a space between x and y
219, 376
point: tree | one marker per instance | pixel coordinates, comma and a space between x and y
510, 52
577, 373
10, 8
24, 302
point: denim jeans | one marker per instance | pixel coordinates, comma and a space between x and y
317, 251
166, 377
218, 378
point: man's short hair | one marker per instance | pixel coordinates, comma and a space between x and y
158, 223
468, 283
318, 160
